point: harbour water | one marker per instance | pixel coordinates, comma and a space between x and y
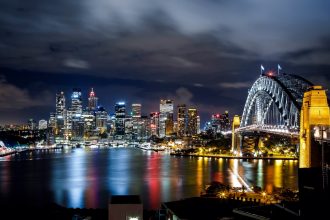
85, 178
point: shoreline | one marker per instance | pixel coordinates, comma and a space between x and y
28, 150
234, 157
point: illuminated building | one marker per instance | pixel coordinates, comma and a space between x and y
60, 114
101, 117
198, 124
42, 124
120, 114
52, 120
165, 117
60, 103
92, 101
89, 123
136, 110
154, 123
136, 120
181, 129
76, 102
192, 122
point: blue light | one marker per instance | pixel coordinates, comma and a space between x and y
121, 103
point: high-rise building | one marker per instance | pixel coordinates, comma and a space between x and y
52, 120
92, 101
76, 102
42, 124
60, 114
154, 123
60, 103
181, 127
120, 114
101, 117
198, 124
136, 110
192, 122
165, 117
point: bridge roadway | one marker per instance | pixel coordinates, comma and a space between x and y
269, 129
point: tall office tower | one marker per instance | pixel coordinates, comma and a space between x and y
76, 102
181, 127
165, 117
144, 129
92, 101
198, 124
225, 122
60, 117
136, 110
101, 117
192, 122
52, 121
89, 123
60, 103
216, 123
135, 122
154, 123
120, 113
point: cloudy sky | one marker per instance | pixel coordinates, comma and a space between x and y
205, 53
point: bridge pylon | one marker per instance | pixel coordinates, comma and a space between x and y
314, 118
236, 137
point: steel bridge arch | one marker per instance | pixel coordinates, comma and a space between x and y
283, 92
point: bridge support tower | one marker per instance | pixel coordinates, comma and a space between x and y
314, 117
236, 138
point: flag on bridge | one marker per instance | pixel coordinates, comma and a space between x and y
278, 69
261, 69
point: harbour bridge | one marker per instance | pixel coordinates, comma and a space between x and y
273, 106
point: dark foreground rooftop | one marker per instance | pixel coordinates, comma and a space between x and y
125, 199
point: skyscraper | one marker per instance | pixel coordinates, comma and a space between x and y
120, 114
136, 110
60, 103
76, 102
154, 123
92, 101
165, 117
181, 120
192, 122
60, 114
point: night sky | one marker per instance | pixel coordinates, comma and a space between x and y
203, 53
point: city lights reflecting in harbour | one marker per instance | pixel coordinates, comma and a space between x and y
81, 178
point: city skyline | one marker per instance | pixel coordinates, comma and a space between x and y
202, 53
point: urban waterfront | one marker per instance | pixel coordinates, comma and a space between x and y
85, 178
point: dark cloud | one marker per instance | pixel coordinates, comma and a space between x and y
209, 51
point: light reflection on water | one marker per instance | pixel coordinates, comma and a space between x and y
82, 178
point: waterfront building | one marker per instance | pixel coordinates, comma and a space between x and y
165, 117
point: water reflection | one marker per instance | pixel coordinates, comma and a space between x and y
81, 178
